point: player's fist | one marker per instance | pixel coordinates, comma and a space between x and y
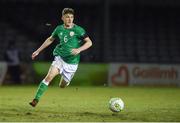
34, 54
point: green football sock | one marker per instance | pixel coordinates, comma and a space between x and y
41, 89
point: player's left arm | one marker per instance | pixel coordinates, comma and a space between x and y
85, 46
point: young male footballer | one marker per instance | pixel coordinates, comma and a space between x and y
72, 41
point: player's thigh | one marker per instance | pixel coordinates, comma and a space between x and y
53, 71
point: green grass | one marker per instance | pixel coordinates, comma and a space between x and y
90, 104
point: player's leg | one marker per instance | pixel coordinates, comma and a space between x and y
63, 83
67, 73
66, 78
53, 71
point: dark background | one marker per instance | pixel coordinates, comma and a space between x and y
131, 31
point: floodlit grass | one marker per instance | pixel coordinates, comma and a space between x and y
90, 104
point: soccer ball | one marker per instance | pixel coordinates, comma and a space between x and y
116, 104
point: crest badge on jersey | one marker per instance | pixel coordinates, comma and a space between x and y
71, 33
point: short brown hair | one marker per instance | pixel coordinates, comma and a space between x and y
67, 11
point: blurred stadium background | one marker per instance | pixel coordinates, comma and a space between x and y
123, 31
135, 42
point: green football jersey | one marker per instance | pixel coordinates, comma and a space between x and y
68, 40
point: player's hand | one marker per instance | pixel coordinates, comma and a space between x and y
34, 55
75, 51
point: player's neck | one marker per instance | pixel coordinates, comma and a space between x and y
69, 26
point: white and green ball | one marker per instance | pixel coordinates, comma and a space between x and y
116, 104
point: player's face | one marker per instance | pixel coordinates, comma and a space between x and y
68, 19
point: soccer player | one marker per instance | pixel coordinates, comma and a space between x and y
72, 41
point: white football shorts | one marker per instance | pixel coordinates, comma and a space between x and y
66, 70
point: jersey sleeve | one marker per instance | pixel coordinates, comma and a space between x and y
54, 33
82, 34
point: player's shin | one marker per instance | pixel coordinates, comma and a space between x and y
41, 89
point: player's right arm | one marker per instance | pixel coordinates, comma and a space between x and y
46, 43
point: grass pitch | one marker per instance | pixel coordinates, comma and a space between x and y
89, 104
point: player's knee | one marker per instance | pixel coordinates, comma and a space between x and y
63, 84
